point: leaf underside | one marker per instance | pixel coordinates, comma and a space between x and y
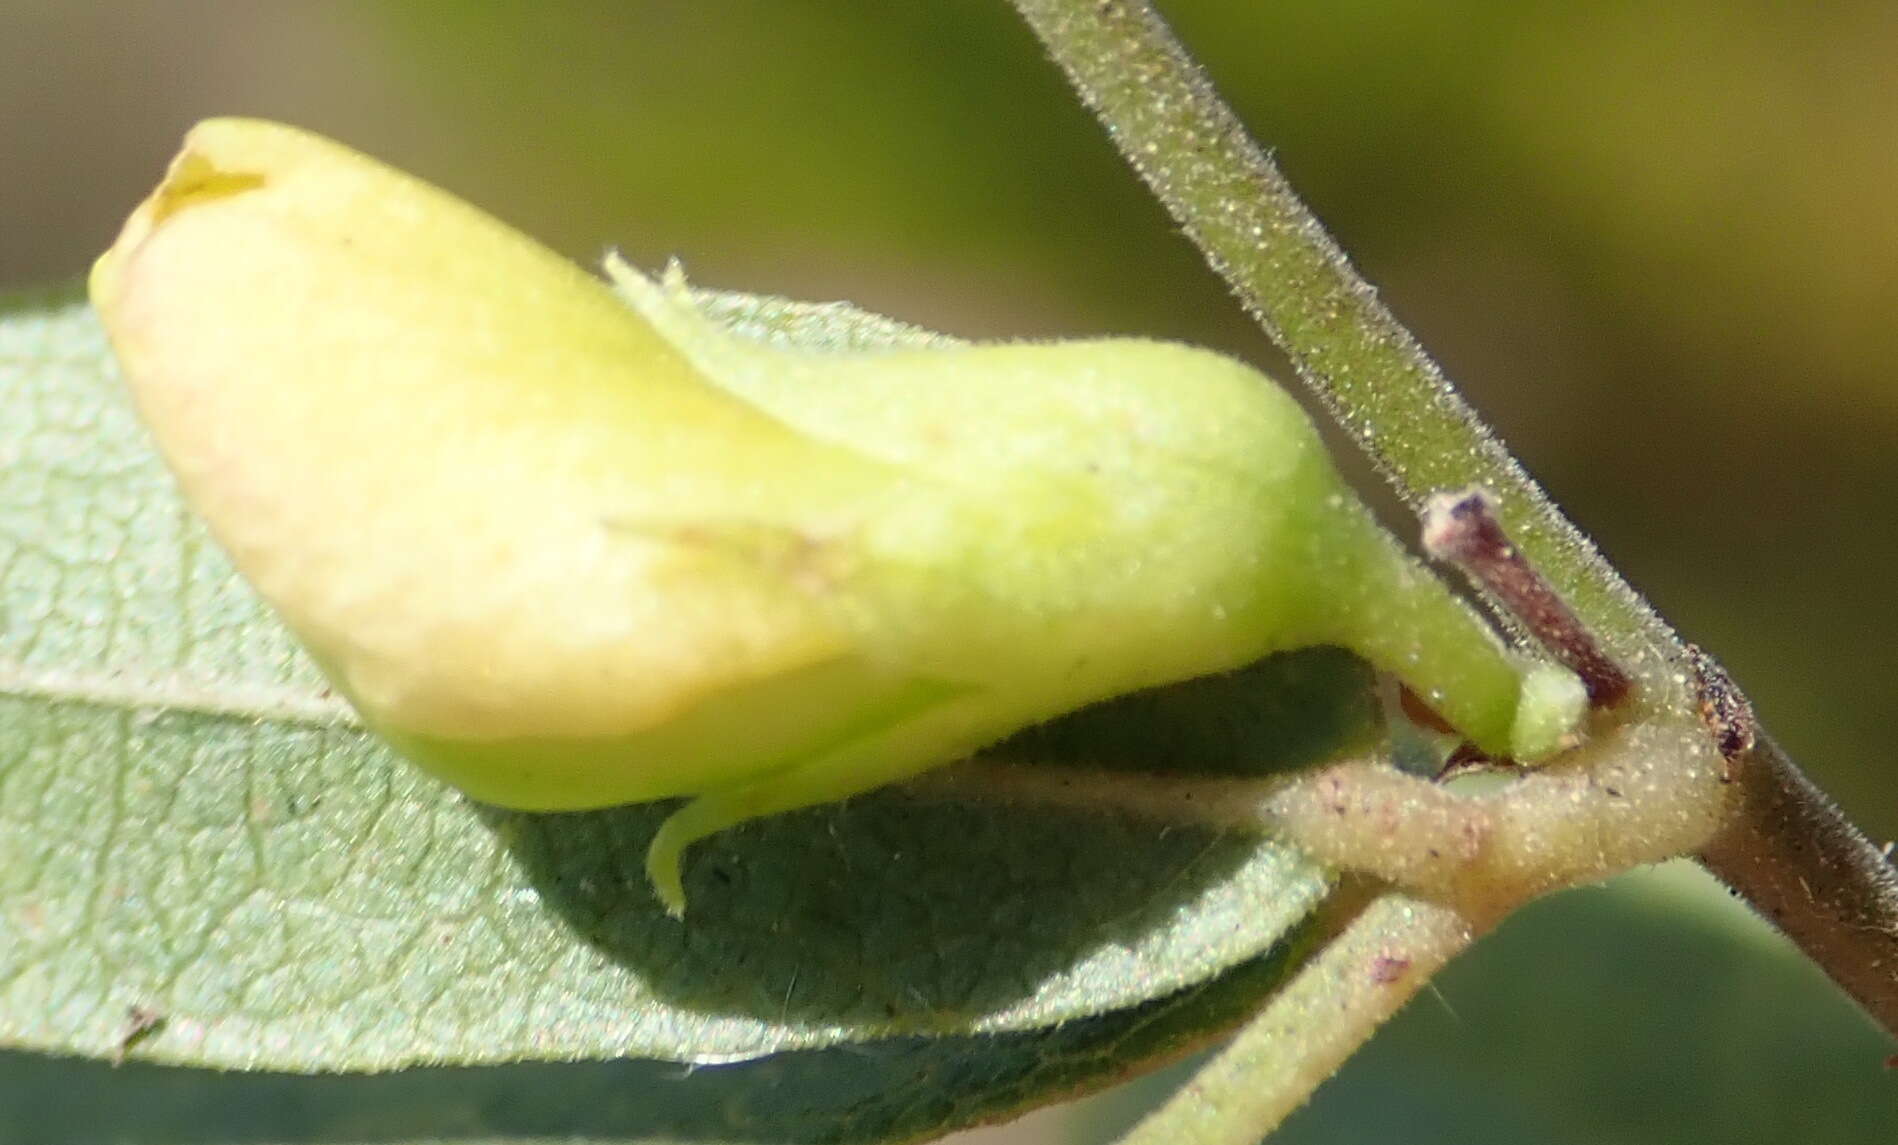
191, 825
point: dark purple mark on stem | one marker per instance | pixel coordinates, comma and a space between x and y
1462, 529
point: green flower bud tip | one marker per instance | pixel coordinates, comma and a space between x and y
567, 549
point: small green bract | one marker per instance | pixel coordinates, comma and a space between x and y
568, 548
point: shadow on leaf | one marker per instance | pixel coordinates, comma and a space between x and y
911, 915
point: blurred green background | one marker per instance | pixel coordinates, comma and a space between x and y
1656, 242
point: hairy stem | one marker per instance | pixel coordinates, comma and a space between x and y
1375, 962
1794, 857
1232, 200
1786, 848
1357, 816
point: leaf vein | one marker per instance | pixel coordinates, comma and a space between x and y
118, 689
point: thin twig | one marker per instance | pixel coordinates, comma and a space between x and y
1359, 816
1795, 858
1231, 199
1358, 980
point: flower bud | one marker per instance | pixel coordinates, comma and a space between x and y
566, 548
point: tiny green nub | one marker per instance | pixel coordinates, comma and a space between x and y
1552, 704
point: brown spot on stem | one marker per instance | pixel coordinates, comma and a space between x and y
1724, 709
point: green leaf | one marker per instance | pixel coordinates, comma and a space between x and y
900, 1089
191, 825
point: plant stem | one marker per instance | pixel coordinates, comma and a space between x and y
1788, 850
1795, 858
1356, 816
1362, 976
1165, 117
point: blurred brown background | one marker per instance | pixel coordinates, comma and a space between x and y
1656, 242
